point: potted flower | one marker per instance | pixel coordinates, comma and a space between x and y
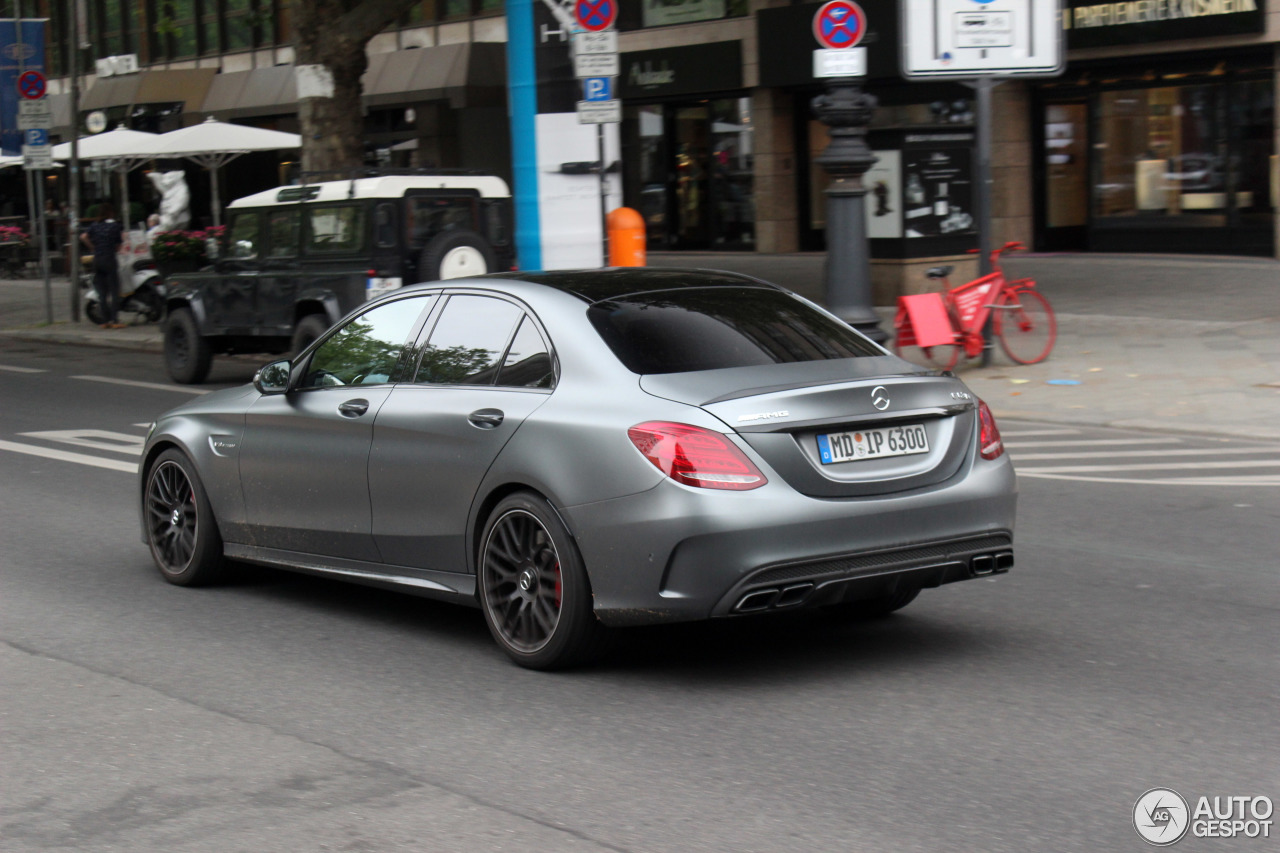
179, 251
11, 234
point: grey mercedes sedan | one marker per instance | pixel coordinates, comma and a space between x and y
577, 451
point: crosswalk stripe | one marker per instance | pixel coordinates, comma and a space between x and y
1114, 454
96, 439
1154, 466
66, 456
13, 369
1243, 480
135, 384
1089, 442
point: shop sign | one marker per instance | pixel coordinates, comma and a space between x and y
686, 70
1092, 24
661, 13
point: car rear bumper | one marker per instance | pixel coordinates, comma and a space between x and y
675, 553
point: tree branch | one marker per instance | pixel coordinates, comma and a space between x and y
367, 18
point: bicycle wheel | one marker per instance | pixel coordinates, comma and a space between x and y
1025, 325
942, 357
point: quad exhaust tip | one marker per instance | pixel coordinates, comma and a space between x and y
765, 599
991, 564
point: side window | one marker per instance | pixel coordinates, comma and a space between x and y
365, 350
282, 232
468, 341
243, 242
334, 229
384, 225
431, 215
528, 362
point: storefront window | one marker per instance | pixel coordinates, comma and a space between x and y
691, 173
1252, 122
1161, 154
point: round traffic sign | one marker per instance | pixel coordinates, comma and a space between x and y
839, 24
32, 85
596, 15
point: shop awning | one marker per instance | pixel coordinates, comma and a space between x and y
461, 73
187, 86
111, 92
246, 94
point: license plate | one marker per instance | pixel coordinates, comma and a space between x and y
872, 443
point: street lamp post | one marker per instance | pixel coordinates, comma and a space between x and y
847, 110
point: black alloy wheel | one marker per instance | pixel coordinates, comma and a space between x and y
181, 530
534, 589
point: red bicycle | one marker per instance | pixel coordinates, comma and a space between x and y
935, 328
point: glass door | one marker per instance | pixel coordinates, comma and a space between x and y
1066, 171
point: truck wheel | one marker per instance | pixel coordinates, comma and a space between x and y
186, 354
308, 329
454, 254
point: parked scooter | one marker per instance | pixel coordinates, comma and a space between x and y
143, 295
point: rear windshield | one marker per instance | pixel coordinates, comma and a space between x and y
705, 329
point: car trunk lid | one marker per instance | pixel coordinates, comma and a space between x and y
840, 428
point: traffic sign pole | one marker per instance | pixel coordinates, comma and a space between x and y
838, 26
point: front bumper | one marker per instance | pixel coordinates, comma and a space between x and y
675, 553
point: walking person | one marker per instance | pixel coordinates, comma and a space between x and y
104, 238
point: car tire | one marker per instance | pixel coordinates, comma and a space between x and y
181, 529
308, 329
187, 355
454, 254
874, 608
534, 589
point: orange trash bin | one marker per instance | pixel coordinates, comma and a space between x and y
626, 238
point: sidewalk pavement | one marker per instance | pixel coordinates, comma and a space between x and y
1174, 343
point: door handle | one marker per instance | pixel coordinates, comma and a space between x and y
486, 418
353, 408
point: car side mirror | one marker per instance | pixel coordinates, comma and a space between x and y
273, 378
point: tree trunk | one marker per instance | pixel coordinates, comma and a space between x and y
331, 57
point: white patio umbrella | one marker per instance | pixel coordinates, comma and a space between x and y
125, 150
214, 143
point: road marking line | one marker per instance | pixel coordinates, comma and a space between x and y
1154, 466
98, 439
134, 384
1019, 433
1127, 454
13, 369
1089, 442
1254, 480
66, 456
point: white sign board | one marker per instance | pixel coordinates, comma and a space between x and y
849, 62
599, 112
35, 115
605, 41
981, 38
595, 65
37, 156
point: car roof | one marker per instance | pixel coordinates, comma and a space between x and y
391, 186
616, 282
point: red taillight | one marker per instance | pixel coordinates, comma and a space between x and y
990, 445
695, 456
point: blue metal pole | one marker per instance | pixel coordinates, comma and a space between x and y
522, 97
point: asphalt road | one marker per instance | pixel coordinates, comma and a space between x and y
1133, 646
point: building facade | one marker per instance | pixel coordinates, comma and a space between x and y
1161, 135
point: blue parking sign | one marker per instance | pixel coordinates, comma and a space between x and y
35, 137
597, 88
